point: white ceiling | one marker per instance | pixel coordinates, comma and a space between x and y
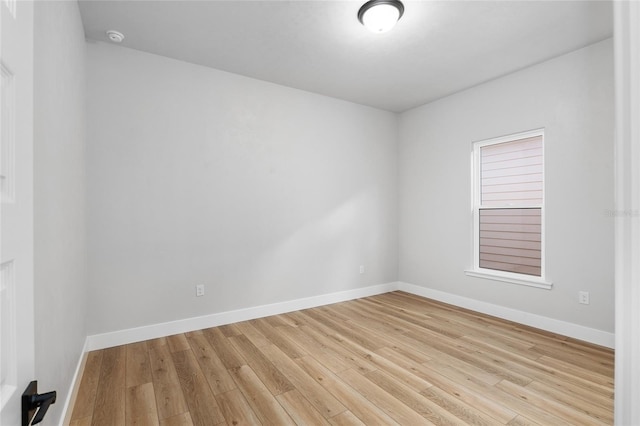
437, 48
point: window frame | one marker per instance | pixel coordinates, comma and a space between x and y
493, 274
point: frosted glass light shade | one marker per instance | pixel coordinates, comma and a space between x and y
379, 16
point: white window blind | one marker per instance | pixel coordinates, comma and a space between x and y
509, 211
511, 173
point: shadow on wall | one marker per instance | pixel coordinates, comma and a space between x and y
328, 251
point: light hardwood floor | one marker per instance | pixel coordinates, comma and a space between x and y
389, 359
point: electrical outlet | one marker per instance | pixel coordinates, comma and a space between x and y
583, 297
200, 290
362, 269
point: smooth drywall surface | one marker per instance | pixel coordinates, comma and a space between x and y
261, 193
571, 97
59, 197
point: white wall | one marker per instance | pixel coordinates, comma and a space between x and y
572, 98
260, 192
59, 197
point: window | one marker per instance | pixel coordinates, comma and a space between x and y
508, 209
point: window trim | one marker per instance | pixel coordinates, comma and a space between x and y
492, 274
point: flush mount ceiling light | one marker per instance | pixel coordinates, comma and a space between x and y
379, 16
115, 36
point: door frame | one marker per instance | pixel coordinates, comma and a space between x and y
17, 211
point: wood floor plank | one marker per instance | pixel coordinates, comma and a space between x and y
169, 398
565, 344
110, 397
423, 320
252, 333
502, 327
412, 399
422, 341
407, 377
278, 321
183, 419
408, 352
312, 346
178, 342
193, 332
396, 409
235, 408
349, 330
435, 356
230, 330
472, 326
202, 405
154, 343
346, 418
86, 421
527, 333
590, 407
372, 319
138, 369
295, 318
226, 352
85, 401
520, 367
361, 407
388, 359
217, 376
374, 361
577, 358
335, 310
323, 401
263, 403
597, 382
456, 407
543, 371
495, 394
555, 385
505, 344
312, 327
403, 317
141, 406
333, 346
486, 363
300, 410
272, 378
522, 421
456, 389
277, 338
555, 408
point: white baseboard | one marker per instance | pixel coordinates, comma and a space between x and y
568, 329
122, 337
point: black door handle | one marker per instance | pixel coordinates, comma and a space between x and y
32, 401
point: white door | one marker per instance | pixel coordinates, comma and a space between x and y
16, 208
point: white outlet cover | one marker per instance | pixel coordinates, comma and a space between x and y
583, 297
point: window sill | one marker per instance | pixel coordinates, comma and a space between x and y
531, 282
